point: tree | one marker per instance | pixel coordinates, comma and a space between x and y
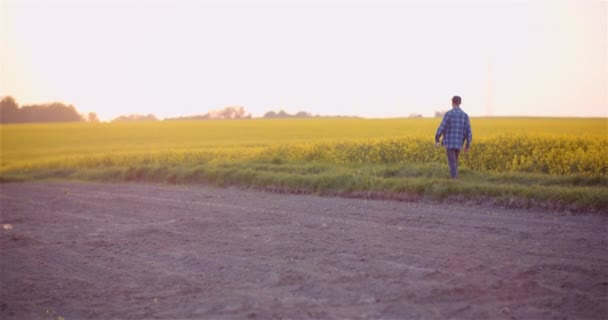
50, 112
270, 114
303, 114
226, 113
283, 114
9, 110
440, 114
135, 117
47, 112
230, 112
92, 117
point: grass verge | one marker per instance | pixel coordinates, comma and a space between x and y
407, 182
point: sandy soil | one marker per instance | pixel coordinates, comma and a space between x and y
129, 251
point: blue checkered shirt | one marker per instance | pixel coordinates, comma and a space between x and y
455, 129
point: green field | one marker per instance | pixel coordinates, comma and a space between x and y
522, 162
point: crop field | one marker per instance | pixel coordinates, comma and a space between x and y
522, 162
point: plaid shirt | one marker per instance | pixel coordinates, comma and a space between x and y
455, 128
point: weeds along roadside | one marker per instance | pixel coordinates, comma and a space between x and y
396, 181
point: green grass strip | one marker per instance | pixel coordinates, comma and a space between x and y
411, 182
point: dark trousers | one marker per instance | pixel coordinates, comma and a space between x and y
453, 162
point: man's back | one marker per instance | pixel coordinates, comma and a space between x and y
455, 128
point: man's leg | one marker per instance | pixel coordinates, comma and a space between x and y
453, 162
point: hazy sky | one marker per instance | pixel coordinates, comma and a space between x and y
369, 58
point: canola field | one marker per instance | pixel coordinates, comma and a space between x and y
551, 146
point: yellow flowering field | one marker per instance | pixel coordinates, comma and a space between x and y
537, 145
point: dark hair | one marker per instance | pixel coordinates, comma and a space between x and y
456, 100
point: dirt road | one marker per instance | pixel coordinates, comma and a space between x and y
129, 251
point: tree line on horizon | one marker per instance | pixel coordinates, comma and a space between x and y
11, 112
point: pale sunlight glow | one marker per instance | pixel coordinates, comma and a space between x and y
367, 58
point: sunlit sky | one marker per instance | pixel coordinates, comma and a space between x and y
367, 58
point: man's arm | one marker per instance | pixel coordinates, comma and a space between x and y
441, 129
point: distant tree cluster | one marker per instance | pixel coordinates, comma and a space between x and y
135, 117
92, 117
231, 112
227, 113
10, 112
440, 114
282, 115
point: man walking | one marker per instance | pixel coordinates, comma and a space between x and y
456, 130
